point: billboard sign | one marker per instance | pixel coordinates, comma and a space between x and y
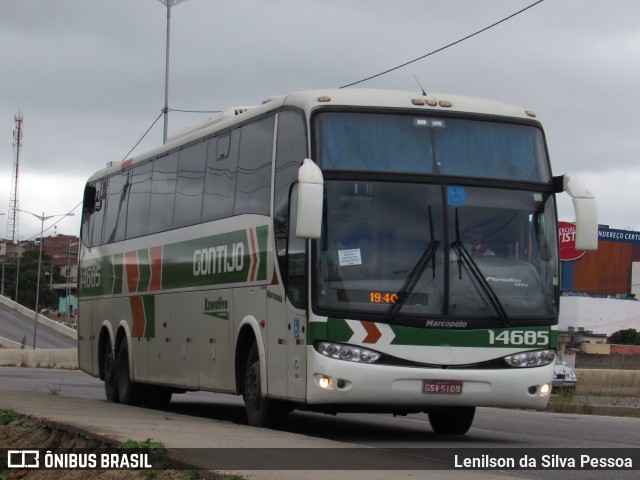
567, 235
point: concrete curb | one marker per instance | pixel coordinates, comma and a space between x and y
64, 358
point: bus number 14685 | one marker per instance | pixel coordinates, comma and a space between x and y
519, 337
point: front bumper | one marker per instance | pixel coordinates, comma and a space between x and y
401, 388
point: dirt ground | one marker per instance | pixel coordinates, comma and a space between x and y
26, 433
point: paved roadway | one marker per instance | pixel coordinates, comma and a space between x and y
492, 429
15, 326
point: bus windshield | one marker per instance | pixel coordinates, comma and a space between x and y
393, 143
406, 250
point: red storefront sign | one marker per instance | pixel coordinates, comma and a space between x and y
567, 235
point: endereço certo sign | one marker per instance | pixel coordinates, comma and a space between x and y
567, 235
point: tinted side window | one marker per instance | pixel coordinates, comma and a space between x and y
139, 194
97, 218
253, 188
291, 149
220, 180
190, 185
93, 213
116, 216
163, 192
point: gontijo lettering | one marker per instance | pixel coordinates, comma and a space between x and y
220, 259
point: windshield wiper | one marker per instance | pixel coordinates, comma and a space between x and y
416, 273
465, 256
413, 278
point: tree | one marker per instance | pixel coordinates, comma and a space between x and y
629, 336
29, 277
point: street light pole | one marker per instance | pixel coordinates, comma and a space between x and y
4, 260
42, 218
165, 110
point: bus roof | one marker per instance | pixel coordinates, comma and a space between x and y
309, 100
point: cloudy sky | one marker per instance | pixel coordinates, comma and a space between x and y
88, 77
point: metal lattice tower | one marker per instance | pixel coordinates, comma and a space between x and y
12, 217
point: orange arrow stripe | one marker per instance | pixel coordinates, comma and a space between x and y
373, 333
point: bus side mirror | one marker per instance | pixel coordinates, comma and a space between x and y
310, 196
584, 204
89, 200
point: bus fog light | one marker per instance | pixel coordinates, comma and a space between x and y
545, 390
324, 381
535, 358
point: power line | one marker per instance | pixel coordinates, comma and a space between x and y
145, 134
62, 217
194, 111
445, 47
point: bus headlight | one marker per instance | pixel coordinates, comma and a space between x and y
349, 353
535, 358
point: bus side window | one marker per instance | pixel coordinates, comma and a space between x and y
163, 191
97, 217
291, 148
220, 176
296, 258
190, 185
139, 195
253, 185
116, 214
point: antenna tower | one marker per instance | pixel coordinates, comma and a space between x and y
12, 220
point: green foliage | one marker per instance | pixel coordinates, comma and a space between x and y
28, 276
145, 446
629, 336
7, 416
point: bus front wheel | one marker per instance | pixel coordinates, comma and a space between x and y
452, 420
261, 411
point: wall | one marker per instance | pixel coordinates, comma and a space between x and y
610, 362
606, 271
596, 349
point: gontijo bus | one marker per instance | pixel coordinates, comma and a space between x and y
312, 253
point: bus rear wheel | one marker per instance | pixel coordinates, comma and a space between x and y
451, 420
109, 374
261, 411
127, 388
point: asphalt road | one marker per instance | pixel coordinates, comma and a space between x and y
15, 326
493, 428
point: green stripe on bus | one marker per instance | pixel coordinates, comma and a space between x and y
338, 330
117, 269
262, 234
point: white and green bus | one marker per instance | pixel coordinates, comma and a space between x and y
314, 252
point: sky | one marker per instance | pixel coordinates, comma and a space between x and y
88, 77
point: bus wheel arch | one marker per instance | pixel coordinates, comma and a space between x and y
262, 411
246, 337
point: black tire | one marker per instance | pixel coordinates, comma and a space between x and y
127, 389
261, 411
109, 374
451, 420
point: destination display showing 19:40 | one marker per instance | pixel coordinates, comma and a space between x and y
383, 297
